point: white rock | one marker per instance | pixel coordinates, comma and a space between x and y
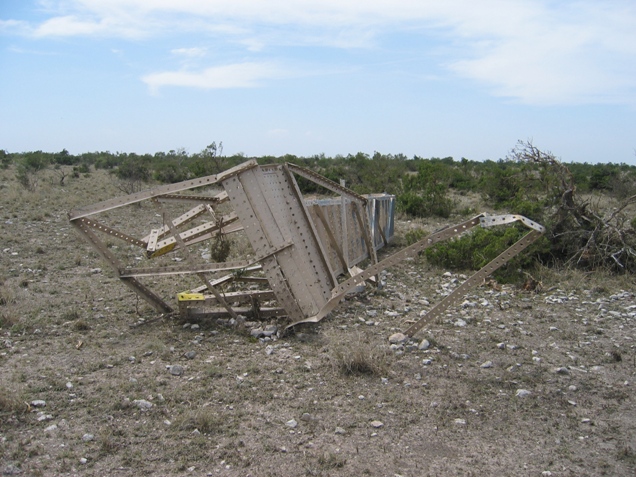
424, 345
521, 393
44, 417
398, 338
292, 423
501, 345
88, 437
460, 323
377, 424
460, 422
487, 364
142, 404
38, 403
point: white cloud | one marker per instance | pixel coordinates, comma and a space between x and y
536, 51
13, 26
190, 52
73, 25
68, 26
240, 75
569, 56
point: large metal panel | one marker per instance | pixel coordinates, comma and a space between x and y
327, 216
272, 214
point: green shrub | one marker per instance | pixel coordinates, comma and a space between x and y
132, 173
431, 202
473, 251
29, 168
413, 236
5, 159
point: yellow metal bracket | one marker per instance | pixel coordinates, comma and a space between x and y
190, 297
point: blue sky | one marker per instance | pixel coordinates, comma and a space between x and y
419, 77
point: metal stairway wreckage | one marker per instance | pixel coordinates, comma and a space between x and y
303, 254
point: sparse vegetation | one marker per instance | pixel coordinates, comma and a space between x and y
360, 358
66, 339
29, 169
11, 402
205, 420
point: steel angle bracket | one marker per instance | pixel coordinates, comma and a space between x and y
493, 220
446, 233
474, 280
536, 231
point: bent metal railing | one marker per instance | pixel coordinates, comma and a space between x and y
303, 254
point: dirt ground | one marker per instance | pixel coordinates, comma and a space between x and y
513, 382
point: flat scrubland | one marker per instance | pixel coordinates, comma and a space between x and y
513, 382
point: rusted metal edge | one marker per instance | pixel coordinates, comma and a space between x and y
326, 183
113, 232
340, 291
183, 219
444, 234
159, 191
154, 300
190, 269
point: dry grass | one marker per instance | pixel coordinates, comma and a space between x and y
359, 358
7, 296
205, 420
239, 394
12, 402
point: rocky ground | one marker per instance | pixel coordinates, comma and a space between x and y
508, 383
